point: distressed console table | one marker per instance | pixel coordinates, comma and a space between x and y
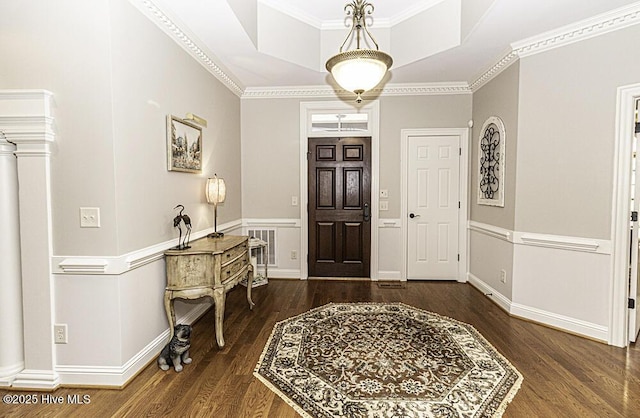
211, 267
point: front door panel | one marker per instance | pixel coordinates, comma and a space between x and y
339, 196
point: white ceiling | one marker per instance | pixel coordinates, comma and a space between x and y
231, 37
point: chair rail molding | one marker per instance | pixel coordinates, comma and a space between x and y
117, 265
562, 242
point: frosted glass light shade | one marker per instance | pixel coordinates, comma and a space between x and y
215, 190
359, 70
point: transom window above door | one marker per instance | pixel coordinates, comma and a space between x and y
340, 122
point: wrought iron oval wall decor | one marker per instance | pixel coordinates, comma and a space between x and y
491, 159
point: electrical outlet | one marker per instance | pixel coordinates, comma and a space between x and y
89, 217
503, 276
294, 255
60, 333
294, 200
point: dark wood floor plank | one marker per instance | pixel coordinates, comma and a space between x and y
564, 375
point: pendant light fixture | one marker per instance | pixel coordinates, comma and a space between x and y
359, 70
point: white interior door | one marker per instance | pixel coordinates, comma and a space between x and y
433, 183
634, 289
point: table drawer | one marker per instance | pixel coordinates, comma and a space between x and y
228, 271
233, 253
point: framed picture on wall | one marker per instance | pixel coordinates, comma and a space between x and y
184, 145
491, 156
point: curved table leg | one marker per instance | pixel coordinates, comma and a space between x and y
250, 277
171, 313
219, 301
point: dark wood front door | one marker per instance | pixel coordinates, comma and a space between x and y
339, 207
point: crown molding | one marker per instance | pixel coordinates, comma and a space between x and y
499, 66
302, 92
588, 28
595, 26
585, 29
171, 28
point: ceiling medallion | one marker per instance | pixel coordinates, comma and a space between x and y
359, 70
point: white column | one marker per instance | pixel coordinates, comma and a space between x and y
11, 354
26, 120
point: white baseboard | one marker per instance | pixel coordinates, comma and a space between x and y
275, 273
389, 275
36, 379
572, 325
551, 319
118, 376
501, 300
9, 373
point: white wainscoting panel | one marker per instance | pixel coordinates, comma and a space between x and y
118, 376
390, 256
559, 281
489, 255
287, 232
563, 288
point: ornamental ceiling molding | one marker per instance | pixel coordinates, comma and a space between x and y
160, 18
580, 31
595, 26
418, 89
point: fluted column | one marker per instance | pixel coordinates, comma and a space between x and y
26, 120
12, 354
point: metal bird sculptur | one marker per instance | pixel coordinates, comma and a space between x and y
182, 218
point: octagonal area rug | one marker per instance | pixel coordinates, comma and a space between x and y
385, 360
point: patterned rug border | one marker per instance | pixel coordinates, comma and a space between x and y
499, 410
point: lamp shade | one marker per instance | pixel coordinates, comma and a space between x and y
215, 190
359, 70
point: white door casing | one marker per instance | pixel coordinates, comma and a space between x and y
432, 193
434, 190
306, 110
634, 289
621, 208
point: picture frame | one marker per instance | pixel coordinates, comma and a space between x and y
491, 162
184, 146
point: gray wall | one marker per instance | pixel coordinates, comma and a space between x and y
115, 77
154, 77
64, 47
271, 137
489, 255
567, 133
498, 98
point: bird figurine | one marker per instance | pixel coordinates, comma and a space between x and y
179, 219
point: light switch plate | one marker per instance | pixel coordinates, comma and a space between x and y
384, 193
89, 217
384, 205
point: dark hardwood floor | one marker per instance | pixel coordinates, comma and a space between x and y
564, 375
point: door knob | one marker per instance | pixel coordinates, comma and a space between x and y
367, 212
413, 215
